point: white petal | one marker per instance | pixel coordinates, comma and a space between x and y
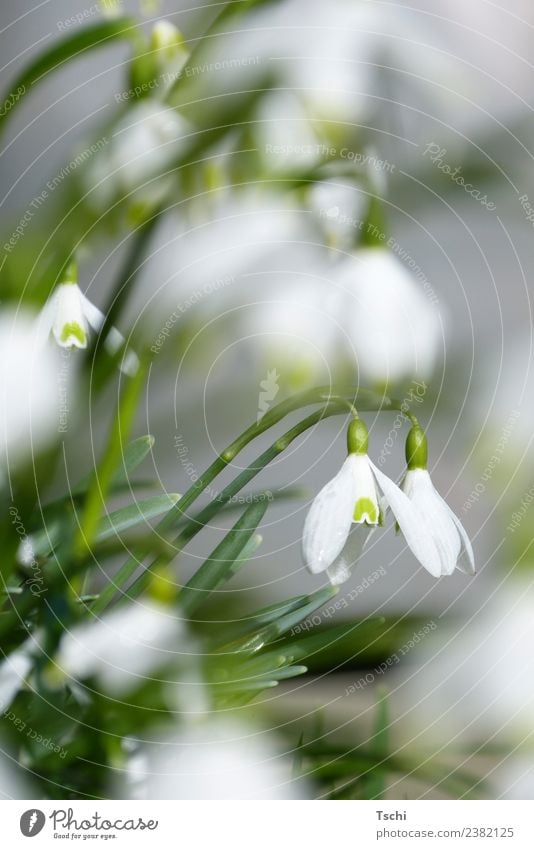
329, 519
70, 315
466, 559
130, 361
94, 316
45, 320
114, 340
411, 523
340, 570
436, 516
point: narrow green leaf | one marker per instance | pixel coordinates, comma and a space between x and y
289, 672
260, 617
245, 687
374, 784
221, 564
75, 45
275, 630
134, 514
134, 454
306, 647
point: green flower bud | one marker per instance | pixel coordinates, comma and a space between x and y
357, 437
70, 275
166, 41
416, 448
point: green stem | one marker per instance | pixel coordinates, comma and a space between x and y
98, 490
125, 283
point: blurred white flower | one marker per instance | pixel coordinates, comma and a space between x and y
13, 780
293, 327
142, 146
204, 269
123, 647
68, 314
14, 670
285, 135
332, 56
29, 402
364, 310
218, 759
475, 678
352, 497
393, 327
339, 207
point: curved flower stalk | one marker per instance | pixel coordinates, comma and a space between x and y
450, 538
68, 315
432, 532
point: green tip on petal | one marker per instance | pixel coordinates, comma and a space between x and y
357, 437
366, 511
416, 448
73, 329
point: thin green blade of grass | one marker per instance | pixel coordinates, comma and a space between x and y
223, 561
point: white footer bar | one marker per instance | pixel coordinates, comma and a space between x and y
269, 825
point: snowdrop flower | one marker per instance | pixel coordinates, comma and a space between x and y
217, 759
29, 402
450, 538
123, 647
68, 315
393, 325
143, 145
353, 497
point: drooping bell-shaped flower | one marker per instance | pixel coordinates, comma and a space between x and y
352, 498
29, 400
68, 315
391, 316
449, 536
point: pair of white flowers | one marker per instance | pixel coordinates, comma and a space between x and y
350, 506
